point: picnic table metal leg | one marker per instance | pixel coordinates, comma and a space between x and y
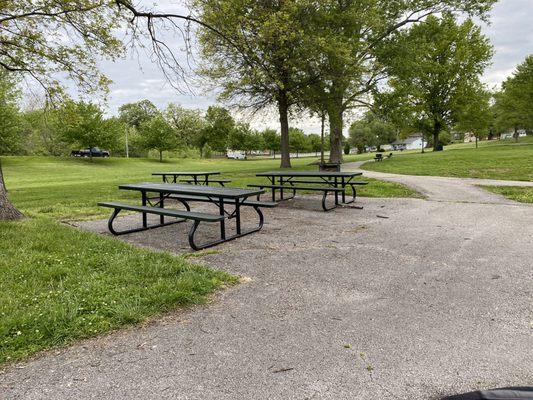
162, 205
281, 184
223, 222
336, 193
238, 216
343, 190
144, 201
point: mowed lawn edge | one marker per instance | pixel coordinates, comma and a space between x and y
505, 160
516, 193
59, 284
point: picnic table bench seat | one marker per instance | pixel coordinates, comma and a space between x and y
325, 190
192, 215
221, 182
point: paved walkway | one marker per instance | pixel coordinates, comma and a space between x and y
438, 188
406, 299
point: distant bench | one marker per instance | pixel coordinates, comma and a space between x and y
379, 157
281, 188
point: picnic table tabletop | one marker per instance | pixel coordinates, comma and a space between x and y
200, 190
317, 174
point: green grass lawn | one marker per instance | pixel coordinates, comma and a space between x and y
59, 284
492, 160
521, 194
69, 188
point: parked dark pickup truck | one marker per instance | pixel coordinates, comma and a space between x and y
92, 152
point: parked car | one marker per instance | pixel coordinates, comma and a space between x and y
92, 152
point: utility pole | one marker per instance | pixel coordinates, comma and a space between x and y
322, 137
127, 144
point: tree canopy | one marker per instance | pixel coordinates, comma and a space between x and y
514, 102
435, 70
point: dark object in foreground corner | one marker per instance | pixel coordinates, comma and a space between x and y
512, 393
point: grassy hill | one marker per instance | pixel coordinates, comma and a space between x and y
493, 160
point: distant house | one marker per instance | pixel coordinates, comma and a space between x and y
413, 142
510, 134
469, 137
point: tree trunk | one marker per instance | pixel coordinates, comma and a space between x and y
8, 212
516, 134
160, 155
435, 141
335, 114
283, 107
436, 132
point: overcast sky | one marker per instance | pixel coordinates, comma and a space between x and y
136, 77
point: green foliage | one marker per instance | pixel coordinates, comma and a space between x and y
298, 140
187, 123
157, 134
135, 114
371, 131
40, 131
207, 151
347, 148
514, 103
314, 142
441, 73
41, 38
219, 124
475, 114
272, 140
242, 137
83, 124
10, 129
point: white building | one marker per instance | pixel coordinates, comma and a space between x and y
510, 134
413, 142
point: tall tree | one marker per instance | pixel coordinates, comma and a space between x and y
83, 125
187, 123
514, 102
440, 76
157, 134
256, 67
342, 39
272, 141
218, 125
40, 39
371, 131
475, 115
134, 114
